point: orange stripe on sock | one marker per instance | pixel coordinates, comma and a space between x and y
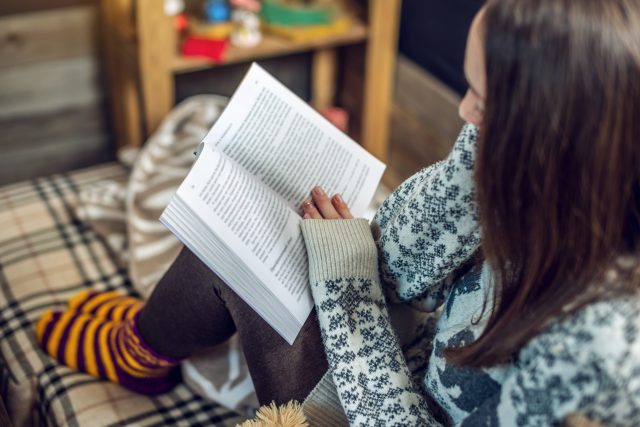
98, 299
134, 310
73, 342
117, 313
79, 298
88, 340
104, 308
56, 334
124, 359
105, 354
42, 324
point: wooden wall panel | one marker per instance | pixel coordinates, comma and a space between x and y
39, 145
49, 35
49, 86
9, 7
52, 98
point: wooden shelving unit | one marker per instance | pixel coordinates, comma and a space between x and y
139, 40
270, 47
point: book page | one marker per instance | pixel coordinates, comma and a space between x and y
253, 222
284, 143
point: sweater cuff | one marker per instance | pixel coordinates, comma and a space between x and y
340, 248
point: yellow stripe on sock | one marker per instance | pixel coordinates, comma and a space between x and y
105, 354
42, 324
104, 308
79, 298
131, 314
131, 366
99, 299
73, 342
89, 354
56, 334
119, 310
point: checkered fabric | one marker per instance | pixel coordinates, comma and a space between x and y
46, 256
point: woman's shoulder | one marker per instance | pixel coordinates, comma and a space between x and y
603, 334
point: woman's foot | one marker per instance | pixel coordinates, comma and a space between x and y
107, 349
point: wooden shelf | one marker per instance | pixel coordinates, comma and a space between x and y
142, 67
271, 46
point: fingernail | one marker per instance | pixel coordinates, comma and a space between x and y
339, 199
305, 203
306, 216
318, 191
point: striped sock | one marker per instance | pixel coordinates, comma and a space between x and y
109, 305
106, 349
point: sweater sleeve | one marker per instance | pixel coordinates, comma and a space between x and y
365, 359
429, 227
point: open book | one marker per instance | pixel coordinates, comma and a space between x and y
238, 208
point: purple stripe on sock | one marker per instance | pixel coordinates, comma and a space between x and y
110, 311
114, 351
137, 352
102, 373
64, 340
49, 328
118, 348
81, 356
89, 297
97, 307
125, 313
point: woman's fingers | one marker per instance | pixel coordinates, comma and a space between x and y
323, 207
309, 211
323, 203
341, 207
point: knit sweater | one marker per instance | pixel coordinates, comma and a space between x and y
588, 362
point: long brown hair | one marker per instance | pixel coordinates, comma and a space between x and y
558, 162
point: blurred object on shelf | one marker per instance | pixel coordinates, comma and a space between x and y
250, 5
247, 31
173, 7
291, 13
301, 34
215, 31
302, 21
209, 48
339, 117
217, 10
181, 23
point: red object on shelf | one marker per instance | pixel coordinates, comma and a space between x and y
339, 117
208, 48
180, 22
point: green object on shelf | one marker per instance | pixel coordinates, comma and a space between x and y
277, 13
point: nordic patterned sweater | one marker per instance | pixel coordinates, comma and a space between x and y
587, 363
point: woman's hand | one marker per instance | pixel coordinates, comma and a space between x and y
323, 207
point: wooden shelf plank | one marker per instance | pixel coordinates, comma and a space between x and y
271, 46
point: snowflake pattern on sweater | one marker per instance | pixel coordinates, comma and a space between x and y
587, 363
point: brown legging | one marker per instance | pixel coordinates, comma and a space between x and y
191, 309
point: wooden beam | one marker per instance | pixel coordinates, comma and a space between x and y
156, 49
379, 78
323, 78
120, 59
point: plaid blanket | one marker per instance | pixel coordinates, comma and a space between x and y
47, 255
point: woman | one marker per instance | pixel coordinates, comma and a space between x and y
545, 325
